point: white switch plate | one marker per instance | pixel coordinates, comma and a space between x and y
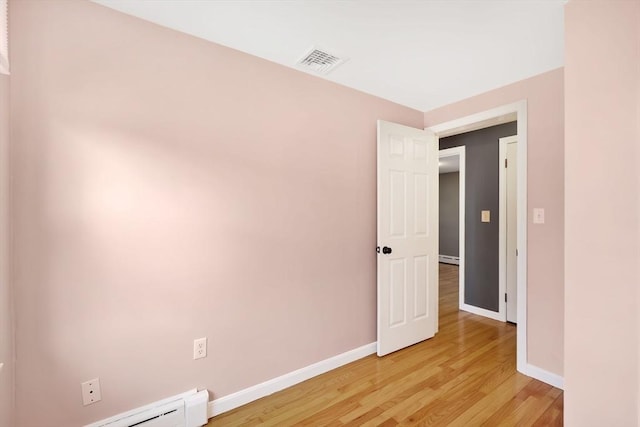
200, 348
91, 392
538, 215
486, 216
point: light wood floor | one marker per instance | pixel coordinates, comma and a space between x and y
464, 376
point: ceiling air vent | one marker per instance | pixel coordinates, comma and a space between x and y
320, 61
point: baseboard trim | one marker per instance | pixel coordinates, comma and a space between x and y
543, 375
448, 259
242, 397
482, 312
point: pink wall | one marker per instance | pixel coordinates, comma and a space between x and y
544, 95
602, 81
6, 328
167, 188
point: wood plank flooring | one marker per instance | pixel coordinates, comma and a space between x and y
464, 376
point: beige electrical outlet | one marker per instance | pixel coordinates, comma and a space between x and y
486, 216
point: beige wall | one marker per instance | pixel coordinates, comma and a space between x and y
544, 95
167, 188
6, 328
602, 81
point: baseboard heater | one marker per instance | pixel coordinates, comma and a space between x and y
448, 259
188, 409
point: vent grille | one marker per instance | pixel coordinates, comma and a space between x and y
320, 61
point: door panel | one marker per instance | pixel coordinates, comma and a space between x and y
398, 203
421, 272
397, 292
421, 197
407, 223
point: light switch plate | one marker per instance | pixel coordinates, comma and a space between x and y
538, 215
485, 216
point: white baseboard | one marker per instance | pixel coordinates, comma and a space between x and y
448, 259
482, 312
542, 375
242, 397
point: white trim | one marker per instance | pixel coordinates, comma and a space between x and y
4, 41
523, 221
242, 397
502, 224
479, 121
481, 312
544, 376
502, 228
461, 153
444, 259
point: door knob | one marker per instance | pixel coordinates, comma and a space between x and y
386, 250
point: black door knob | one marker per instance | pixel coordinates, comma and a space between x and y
386, 250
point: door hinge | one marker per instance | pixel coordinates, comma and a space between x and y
505, 163
505, 297
516, 252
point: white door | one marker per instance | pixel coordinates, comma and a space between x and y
512, 231
407, 236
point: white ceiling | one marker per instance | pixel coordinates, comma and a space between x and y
419, 53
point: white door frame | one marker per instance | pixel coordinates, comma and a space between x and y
460, 153
502, 224
499, 115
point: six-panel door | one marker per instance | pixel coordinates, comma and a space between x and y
408, 225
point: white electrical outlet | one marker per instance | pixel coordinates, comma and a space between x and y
200, 348
91, 392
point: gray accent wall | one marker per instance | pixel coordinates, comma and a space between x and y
449, 213
481, 193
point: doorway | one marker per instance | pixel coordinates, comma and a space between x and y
452, 174
504, 114
482, 291
400, 151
